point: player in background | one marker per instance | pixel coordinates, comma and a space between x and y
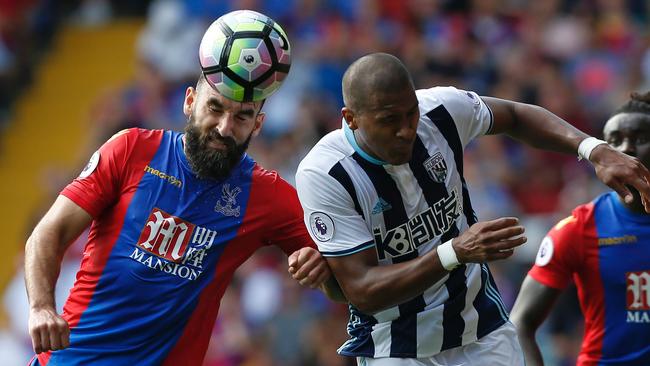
385, 200
604, 246
172, 216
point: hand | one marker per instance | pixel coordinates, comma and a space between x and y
619, 170
308, 267
489, 240
48, 330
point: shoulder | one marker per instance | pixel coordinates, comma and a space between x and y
269, 181
327, 152
264, 176
443, 95
132, 138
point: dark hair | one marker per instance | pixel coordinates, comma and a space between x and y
638, 103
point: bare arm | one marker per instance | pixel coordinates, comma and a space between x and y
43, 253
542, 129
309, 268
531, 308
371, 287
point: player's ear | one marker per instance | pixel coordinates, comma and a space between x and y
348, 116
259, 122
188, 103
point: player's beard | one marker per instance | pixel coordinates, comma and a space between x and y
207, 162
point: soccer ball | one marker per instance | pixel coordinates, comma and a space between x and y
245, 55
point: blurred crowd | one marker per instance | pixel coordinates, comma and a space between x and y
579, 59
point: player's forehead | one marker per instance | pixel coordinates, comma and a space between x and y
379, 102
628, 123
211, 96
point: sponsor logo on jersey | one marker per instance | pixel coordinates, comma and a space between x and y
321, 226
616, 240
169, 178
91, 166
421, 229
638, 296
229, 198
436, 167
545, 252
173, 245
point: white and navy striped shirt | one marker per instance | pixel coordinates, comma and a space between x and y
352, 202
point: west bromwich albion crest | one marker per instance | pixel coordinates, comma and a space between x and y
436, 167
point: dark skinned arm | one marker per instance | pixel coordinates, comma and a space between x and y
531, 308
371, 287
542, 129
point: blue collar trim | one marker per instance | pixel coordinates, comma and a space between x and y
349, 135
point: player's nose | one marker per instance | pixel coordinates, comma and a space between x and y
225, 125
406, 132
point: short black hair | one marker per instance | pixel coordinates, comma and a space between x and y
376, 72
638, 103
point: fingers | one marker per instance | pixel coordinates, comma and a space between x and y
502, 254
500, 223
298, 258
59, 335
55, 339
509, 244
642, 182
48, 332
308, 267
65, 337
505, 233
316, 276
36, 341
623, 192
292, 261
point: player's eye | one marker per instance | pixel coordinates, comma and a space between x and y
614, 141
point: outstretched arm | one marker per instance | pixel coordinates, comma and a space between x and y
540, 128
531, 308
43, 253
371, 287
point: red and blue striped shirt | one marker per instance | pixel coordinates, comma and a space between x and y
162, 249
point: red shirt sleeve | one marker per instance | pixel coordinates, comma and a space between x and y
560, 253
99, 184
290, 233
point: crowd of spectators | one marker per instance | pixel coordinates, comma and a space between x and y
579, 59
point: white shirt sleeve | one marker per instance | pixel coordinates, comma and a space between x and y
471, 115
331, 219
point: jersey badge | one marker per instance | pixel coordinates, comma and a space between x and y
321, 226
436, 167
229, 198
91, 166
545, 252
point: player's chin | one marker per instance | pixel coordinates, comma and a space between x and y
400, 157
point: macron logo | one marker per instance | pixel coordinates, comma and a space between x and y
381, 206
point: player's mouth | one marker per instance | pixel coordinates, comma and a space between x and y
217, 144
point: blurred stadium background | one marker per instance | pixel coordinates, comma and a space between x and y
74, 72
